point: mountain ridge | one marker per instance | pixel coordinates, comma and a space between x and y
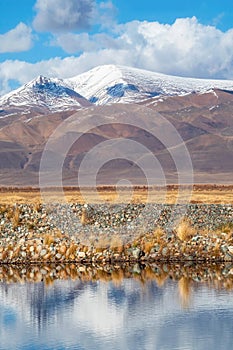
102, 85
200, 111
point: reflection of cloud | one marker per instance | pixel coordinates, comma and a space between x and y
102, 316
17, 39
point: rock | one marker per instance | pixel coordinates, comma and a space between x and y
228, 257
136, 269
62, 249
224, 248
136, 253
164, 251
81, 255
23, 254
43, 252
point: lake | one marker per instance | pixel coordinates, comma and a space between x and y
131, 307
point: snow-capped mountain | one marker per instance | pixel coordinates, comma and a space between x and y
44, 93
102, 85
111, 83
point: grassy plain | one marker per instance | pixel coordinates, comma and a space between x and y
206, 194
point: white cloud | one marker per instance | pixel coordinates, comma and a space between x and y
16, 40
107, 13
73, 43
22, 72
185, 48
62, 16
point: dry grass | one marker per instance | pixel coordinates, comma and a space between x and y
102, 243
227, 228
48, 239
158, 234
116, 244
200, 194
148, 246
15, 219
185, 230
37, 205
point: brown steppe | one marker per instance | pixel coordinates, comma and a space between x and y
205, 194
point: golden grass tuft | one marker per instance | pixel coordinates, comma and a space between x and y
84, 217
3, 209
102, 243
148, 246
185, 230
37, 206
48, 239
226, 228
15, 219
158, 234
116, 244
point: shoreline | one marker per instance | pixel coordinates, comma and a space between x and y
40, 234
218, 275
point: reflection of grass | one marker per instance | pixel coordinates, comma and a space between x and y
161, 278
117, 276
215, 276
184, 291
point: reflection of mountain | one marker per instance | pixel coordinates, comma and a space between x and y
41, 303
73, 315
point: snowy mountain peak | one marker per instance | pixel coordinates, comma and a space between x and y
105, 84
113, 83
49, 94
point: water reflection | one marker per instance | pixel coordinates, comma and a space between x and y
113, 307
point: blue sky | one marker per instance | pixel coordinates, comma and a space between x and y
67, 37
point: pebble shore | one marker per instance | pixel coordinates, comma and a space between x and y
106, 234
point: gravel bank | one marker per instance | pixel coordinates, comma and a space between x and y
107, 233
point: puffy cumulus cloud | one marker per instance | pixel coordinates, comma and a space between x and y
18, 39
21, 72
185, 48
107, 13
73, 43
62, 16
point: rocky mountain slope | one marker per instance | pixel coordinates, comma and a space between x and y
200, 111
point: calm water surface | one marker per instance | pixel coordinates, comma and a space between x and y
123, 314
